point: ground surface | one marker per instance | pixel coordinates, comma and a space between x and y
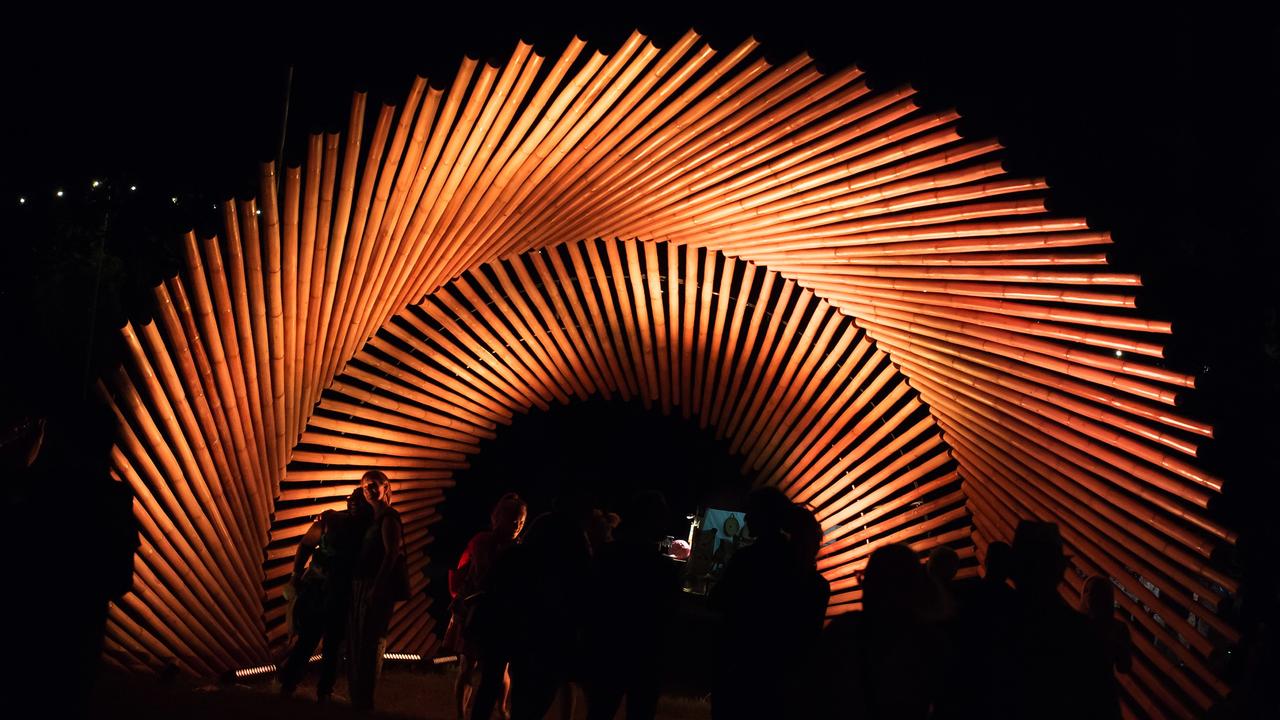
403, 693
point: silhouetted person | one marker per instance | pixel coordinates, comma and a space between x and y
320, 586
942, 566
1058, 667
756, 600
470, 631
72, 546
982, 637
1098, 603
886, 661
538, 588
634, 596
380, 579
812, 593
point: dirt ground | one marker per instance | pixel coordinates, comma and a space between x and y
402, 693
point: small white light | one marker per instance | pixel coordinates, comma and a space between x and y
257, 212
59, 193
22, 201
215, 206
133, 188
175, 200
1119, 353
97, 183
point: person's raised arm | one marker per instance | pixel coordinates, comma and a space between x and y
306, 548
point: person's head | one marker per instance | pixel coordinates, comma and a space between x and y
805, 532
1038, 560
358, 505
767, 509
943, 564
508, 516
895, 584
1098, 597
377, 488
998, 562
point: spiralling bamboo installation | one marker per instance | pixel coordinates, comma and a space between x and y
883, 323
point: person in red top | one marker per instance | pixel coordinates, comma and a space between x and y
467, 633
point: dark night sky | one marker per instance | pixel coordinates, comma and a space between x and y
1152, 125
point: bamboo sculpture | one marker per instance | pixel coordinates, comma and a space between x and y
882, 323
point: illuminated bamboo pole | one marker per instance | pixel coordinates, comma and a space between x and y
563, 334
764, 301
1048, 396
309, 197
237, 338
548, 338
688, 313
707, 373
590, 322
1067, 461
653, 274
642, 334
1029, 371
584, 343
294, 327
418, 333
679, 140
624, 119
476, 313
511, 155
355, 233
417, 237
798, 466
628, 320
238, 421
989, 331
270, 337
807, 350
738, 433
489, 349
164, 392
1104, 517
732, 150
393, 175
291, 265
674, 325
552, 373
320, 261
583, 97
1101, 535
1181, 480
247, 269
706, 288
780, 445
199, 410
175, 536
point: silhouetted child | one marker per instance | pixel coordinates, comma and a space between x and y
1098, 603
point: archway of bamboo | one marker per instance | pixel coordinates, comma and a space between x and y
997, 316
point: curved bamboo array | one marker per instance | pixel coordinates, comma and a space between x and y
841, 283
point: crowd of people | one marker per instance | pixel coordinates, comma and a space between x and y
579, 602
